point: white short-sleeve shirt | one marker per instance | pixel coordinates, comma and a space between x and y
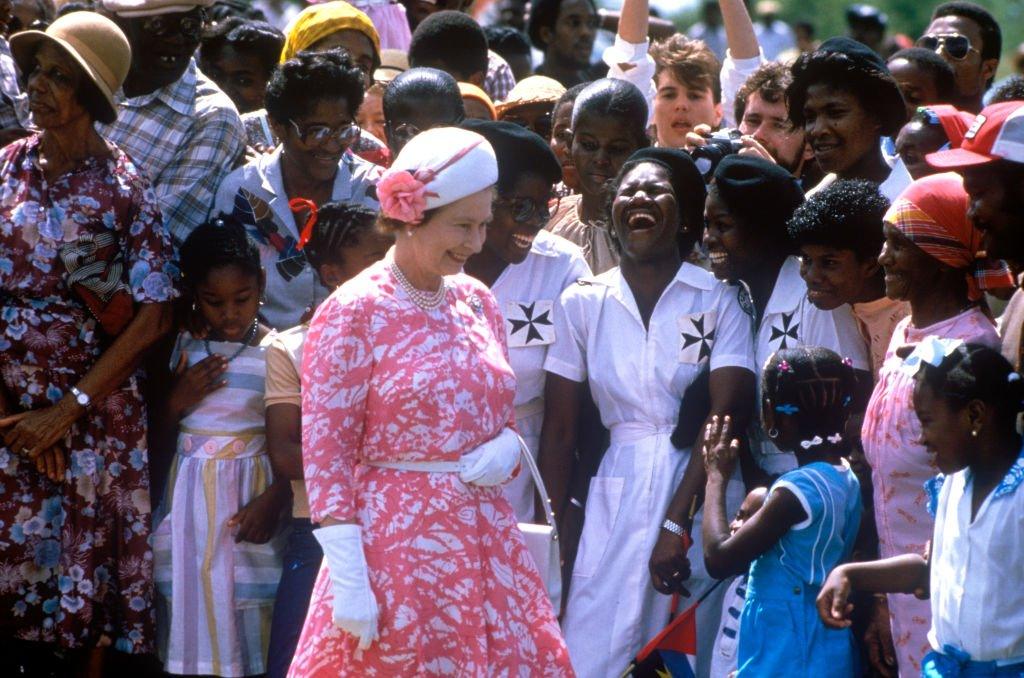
527, 294
639, 374
791, 320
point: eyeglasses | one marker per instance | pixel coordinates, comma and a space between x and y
525, 210
542, 125
957, 46
405, 131
190, 26
321, 134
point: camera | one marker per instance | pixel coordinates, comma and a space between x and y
719, 145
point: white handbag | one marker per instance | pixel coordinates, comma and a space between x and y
542, 540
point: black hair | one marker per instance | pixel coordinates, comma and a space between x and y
72, 7
221, 241
339, 226
610, 97
94, 102
837, 70
310, 77
991, 35
544, 14
937, 68
812, 385
1011, 90
225, 9
977, 372
257, 37
569, 96
451, 39
406, 94
506, 40
846, 215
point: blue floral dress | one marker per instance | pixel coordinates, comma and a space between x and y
75, 560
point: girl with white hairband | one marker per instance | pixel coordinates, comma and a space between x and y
408, 406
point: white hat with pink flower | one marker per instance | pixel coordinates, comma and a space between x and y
436, 168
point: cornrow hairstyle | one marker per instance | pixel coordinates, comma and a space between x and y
812, 385
219, 242
846, 215
690, 61
309, 77
617, 99
339, 226
936, 67
255, 37
977, 372
770, 80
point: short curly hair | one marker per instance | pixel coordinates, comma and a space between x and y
846, 215
691, 62
937, 68
1011, 90
313, 76
770, 80
873, 89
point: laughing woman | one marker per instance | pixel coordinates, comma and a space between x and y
527, 269
312, 101
639, 334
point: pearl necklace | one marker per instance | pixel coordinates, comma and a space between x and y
428, 301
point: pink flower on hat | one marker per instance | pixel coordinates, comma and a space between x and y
402, 196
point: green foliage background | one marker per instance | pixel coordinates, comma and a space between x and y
905, 16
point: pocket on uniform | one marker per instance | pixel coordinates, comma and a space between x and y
603, 502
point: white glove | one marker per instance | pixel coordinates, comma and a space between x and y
355, 608
493, 462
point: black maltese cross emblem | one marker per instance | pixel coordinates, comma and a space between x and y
530, 324
786, 334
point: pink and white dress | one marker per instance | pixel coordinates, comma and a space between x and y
385, 380
900, 465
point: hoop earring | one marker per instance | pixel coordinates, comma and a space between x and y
773, 433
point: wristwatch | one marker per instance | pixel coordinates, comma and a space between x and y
81, 397
673, 527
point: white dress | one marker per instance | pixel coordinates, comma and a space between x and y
790, 321
526, 295
638, 377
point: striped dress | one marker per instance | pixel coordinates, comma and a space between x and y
216, 596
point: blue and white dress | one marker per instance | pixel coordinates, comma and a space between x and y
780, 632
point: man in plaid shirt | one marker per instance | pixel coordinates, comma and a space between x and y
173, 120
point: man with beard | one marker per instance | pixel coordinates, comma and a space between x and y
565, 30
180, 128
967, 36
991, 161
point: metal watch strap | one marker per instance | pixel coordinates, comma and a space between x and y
673, 527
81, 395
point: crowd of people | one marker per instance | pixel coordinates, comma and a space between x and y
408, 338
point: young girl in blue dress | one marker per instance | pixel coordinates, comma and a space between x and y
968, 398
806, 526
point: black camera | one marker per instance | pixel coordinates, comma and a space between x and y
719, 145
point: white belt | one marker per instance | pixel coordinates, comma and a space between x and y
630, 432
530, 408
421, 466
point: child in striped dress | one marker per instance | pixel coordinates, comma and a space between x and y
218, 546
806, 526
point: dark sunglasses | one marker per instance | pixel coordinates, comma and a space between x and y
525, 210
321, 134
541, 126
190, 27
956, 46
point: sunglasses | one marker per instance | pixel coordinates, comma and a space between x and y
321, 134
541, 126
190, 27
956, 46
525, 210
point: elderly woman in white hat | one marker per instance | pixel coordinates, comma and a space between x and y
86, 272
407, 406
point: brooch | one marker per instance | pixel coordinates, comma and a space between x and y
476, 304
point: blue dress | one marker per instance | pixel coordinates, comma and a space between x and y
780, 632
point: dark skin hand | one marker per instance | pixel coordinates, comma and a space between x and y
260, 519
284, 440
902, 574
562, 398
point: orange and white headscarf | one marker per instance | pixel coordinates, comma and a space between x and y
932, 214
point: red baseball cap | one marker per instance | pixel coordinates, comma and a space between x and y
996, 134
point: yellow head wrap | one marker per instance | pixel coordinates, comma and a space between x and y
318, 21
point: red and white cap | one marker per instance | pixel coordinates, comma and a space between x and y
996, 134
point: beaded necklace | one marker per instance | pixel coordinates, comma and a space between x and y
249, 336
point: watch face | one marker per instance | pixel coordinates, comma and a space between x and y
82, 399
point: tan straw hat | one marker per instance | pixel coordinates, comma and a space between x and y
92, 40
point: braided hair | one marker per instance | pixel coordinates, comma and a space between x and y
813, 386
977, 372
339, 225
219, 242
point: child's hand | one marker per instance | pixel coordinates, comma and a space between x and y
833, 602
192, 384
258, 520
720, 450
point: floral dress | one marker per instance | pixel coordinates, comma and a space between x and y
384, 380
900, 466
75, 561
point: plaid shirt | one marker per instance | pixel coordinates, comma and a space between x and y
187, 136
499, 80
